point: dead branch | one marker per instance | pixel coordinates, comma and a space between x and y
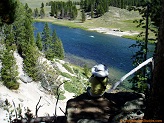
58, 94
16, 115
38, 107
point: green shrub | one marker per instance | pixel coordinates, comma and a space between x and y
86, 71
69, 69
70, 87
67, 75
12, 85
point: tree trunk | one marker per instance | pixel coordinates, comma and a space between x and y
155, 104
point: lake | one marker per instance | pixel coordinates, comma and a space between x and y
90, 48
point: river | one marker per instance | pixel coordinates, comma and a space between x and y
86, 47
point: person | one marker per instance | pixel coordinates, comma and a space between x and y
98, 80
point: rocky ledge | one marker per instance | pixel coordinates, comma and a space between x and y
111, 108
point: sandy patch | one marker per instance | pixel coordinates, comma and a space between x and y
115, 32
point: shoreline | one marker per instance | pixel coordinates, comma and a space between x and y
115, 32
110, 31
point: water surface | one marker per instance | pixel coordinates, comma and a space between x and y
90, 48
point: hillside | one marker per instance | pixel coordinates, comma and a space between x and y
115, 19
28, 94
120, 105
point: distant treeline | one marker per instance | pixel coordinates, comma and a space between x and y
62, 10
99, 7
125, 3
95, 8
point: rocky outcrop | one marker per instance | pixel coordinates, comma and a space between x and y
24, 78
112, 107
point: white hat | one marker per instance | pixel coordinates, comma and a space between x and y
100, 70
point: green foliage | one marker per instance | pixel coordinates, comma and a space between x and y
61, 10
46, 39
76, 85
20, 35
139, 82
67, 75
123, 4
9, 40
86, 71
49, 54
155, 7
30, 61
42, 13
58, 49
14, 112
149, 21
27, 45
9, 70
61, 95
70, 87
68, 68
39, 42
47, 42
83, 16
96, 7
7, 107
12, 85
47, 75
52, 45
36, 13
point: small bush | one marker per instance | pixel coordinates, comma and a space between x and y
12, 85
70, 87
69, 69
66, 75
86, 71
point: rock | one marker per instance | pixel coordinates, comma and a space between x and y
26, 79
132, 109
133, 105
87, 109
111, 107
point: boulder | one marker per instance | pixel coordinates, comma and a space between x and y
24, 78
109, 108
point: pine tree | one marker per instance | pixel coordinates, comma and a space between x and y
42, 12
92, 11
42, 5
30, 61
60, 52
36, 13
57, 48
9, 37
9, 70
12, 37
39, 42
19, 28
46, 39
83, 16
28, 46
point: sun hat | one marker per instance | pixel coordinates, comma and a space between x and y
99, 70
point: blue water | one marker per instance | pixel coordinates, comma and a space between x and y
86, 47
